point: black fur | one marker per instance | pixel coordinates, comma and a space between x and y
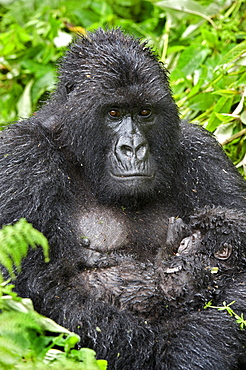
99, 170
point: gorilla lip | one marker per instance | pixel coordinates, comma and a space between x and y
132, 175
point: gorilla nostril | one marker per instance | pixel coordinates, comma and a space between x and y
141, 151
127, 150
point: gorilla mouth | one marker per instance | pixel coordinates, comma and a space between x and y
132, 175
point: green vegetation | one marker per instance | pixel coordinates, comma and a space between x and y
202, 44
15, 241
29, 340
227, 307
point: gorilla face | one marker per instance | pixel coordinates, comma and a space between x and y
127, 149
130, 164
130, 157
134, 160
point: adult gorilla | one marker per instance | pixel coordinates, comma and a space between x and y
99, 170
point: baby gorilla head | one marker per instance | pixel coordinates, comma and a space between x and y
193, 242
200, 234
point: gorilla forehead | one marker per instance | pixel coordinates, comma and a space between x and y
104, 61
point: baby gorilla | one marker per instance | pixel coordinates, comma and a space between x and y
212, 257
198, 234
195, 274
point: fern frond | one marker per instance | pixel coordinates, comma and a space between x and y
15, 241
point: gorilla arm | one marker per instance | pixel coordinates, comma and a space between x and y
34, 183
192, 345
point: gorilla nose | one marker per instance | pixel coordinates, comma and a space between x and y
133, 148
130, 151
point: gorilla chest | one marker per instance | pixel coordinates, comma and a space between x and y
101, 229
105, 229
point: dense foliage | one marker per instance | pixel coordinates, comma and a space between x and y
202, 43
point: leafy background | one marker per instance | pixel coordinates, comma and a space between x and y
202, 44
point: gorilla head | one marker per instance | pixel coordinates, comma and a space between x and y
117, 117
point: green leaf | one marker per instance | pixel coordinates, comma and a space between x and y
225, 92
42, 84
202, 101
224, 132
192, 58
50, 325
223, 117
223, 105
191, 7
210, 36
10, 353
15, 241
236, 52
89, 360
243, 117
24, 104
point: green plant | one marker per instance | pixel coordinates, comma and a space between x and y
203, 45
33, 35
15, 241
227, 307
29, 340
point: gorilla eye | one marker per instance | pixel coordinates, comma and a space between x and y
224, 253
145, 113
115, 113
